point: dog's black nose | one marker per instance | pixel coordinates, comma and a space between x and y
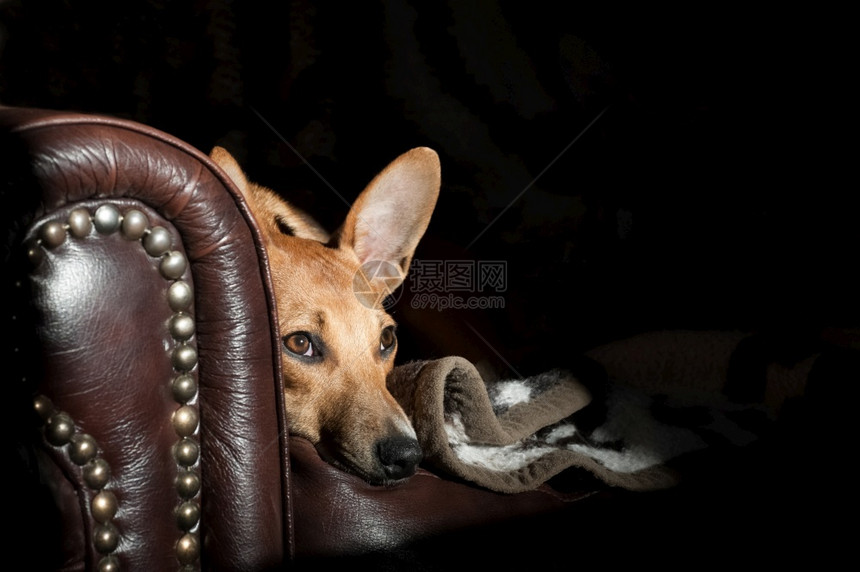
399, 456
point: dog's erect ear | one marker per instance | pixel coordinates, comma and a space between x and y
389, 217
225, 160
274, 215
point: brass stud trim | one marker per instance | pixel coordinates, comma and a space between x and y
179, 296
188, 548
184, 358
185, 421
43, 407
184, 388
104, 506
181, 327
97, 473
187, 515
52, 234
59, 429
82, 449
157, 241
107, 219
187, 484
134, 224
186, 452
105, 538
173, 265
80, 223
34, 253
109, 564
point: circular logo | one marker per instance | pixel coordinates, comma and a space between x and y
375, 284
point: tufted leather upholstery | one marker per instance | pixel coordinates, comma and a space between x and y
96, 340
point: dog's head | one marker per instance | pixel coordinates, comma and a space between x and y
338, 343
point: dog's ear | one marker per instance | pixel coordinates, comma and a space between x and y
389, 217
275, 216
225, 160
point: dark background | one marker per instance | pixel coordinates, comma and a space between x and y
712, 192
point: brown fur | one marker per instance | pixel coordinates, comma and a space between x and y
338, 399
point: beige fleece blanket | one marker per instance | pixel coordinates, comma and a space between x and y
513, 435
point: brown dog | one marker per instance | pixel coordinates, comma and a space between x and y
338, 341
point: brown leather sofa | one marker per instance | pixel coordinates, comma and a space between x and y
144, 383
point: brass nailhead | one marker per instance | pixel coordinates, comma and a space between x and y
104, 506
107, 219
35, 254
43, 406
187, 515
59, 429
184, 388
80, 223
184, 357
157, 241
188, 548
179, 296
186, 452
109, 564
134, 224
52, 234
173, 265
181, 327
82, 448
185, 421
187, 484
97, 473
105, 538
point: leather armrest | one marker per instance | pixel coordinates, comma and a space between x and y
110, 349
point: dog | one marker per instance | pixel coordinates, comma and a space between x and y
338, 342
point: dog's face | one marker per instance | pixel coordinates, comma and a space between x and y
338, 343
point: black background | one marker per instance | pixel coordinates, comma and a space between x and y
715, 189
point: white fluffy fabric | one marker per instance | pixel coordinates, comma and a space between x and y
493, 457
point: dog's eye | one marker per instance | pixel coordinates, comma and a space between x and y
387, 339
300, 345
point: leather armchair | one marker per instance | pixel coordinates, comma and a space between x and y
145, 381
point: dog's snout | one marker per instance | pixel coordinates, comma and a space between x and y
399, 456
